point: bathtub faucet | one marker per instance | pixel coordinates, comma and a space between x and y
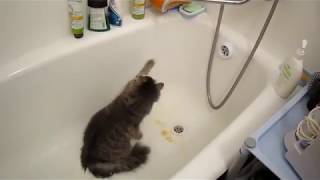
226, 1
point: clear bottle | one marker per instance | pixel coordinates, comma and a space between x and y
76, 15
138, 9
290, 73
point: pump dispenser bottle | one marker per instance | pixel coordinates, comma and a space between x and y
290, 73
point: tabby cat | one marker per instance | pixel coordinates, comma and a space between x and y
106, 144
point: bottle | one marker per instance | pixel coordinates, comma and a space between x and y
165, 5
113, 15
98, 15
138, 9
76, 15
290, 73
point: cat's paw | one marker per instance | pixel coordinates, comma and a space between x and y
146, 68
140, 151
138, 135
150, 63
135, 133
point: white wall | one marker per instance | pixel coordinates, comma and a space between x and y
29, 24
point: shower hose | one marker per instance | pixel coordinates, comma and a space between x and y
246, 64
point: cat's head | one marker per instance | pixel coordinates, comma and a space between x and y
141, 92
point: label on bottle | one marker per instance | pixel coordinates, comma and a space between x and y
77, 22
138, 7
286, 71
75, 8
98, 19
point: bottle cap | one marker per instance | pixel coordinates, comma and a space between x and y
98, 3
301, 51
78, 35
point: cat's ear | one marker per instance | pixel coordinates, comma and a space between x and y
160, 85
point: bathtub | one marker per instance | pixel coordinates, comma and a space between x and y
49, 94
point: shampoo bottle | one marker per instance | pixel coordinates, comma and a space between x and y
98, 15
138, 9
290, 73
76, 14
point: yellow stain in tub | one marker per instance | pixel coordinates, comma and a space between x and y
166, 134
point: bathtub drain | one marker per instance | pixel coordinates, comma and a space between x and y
226, 50
178, 129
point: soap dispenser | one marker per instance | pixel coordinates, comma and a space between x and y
290, 73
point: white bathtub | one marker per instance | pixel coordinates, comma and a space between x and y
48, 95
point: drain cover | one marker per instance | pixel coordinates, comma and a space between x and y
178, 129
225, 50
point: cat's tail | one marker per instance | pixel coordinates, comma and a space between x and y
138, 156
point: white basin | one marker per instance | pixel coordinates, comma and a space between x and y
48, 95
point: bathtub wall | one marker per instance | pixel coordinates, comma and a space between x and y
29, 24
293, 21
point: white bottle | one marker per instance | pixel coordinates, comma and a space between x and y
290, 73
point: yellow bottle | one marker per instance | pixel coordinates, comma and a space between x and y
138, 9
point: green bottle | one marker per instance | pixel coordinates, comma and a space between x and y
76, 14
138, 9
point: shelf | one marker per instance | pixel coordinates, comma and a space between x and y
269, 139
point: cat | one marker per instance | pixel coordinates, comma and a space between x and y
106, 143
